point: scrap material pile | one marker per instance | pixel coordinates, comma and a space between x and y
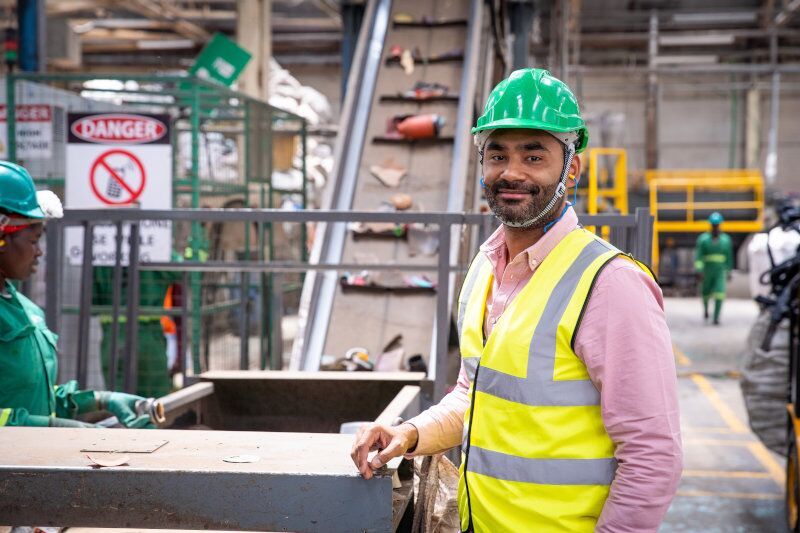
287, 93
774, 259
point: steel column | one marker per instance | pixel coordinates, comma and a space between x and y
116, 297
85, 304
132, 324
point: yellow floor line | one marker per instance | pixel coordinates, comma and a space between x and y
722, 409
774, 468
736, 495
680, 357
758, 450
726, 474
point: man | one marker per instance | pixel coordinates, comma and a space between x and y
713, 261
566, 404
29, 395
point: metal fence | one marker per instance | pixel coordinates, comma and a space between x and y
222, 156
630, 232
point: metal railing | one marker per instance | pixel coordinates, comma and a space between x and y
631, 233
738, 194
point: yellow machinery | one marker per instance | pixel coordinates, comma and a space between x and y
746, 183
603, 187
607, 191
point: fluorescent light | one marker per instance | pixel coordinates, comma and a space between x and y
167, 44
696, 59
736, 17
712, 39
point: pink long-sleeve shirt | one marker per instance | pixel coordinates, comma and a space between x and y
624, 342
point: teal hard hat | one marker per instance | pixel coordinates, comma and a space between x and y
17, 191
531, 98
716, 219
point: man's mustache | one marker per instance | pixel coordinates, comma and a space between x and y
516, 186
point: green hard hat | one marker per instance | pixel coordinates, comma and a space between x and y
716, 219
17, 192
531, 98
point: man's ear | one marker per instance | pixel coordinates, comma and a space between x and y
574, 172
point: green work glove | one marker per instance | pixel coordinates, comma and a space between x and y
123, 406
55, 422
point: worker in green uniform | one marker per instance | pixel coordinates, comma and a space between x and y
713, 261
29, 395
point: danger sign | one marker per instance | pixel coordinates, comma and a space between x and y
119, 160
34, 130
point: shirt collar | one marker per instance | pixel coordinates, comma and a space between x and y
495, 246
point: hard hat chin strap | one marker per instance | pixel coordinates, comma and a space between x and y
561, 189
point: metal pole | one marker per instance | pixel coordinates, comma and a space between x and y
116, 297
85, 303
184, 324
651, 113
520, 18
303, 235
564, 51
132, 331
771, 164
53, 265
442, 312
11, 116
244, 323
195, 240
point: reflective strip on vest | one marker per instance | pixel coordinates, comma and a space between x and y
5, 414
542, 471
715, 258
538, 388
470, 366
469, 283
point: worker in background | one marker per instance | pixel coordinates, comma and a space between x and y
566, 404
713, 261
29, 395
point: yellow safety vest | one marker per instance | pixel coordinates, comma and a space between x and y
535, 453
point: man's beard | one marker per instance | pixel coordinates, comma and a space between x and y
519, 212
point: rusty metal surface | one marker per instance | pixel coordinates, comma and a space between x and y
309, 402
303, 482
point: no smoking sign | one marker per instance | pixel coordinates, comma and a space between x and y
117, 177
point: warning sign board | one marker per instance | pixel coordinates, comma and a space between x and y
119, 160
34, 128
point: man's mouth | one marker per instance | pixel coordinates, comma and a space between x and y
513, 194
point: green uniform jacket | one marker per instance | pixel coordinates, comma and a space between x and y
28, 365
712, 256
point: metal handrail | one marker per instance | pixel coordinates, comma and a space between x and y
636, 240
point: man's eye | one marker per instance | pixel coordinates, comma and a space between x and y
534, 158
497, 157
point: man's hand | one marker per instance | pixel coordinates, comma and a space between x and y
390, 441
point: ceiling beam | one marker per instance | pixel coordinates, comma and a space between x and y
786, 13
164, 11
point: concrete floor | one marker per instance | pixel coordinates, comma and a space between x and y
731, 482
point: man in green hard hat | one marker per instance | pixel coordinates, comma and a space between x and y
713, 261
566, 404
29, 395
